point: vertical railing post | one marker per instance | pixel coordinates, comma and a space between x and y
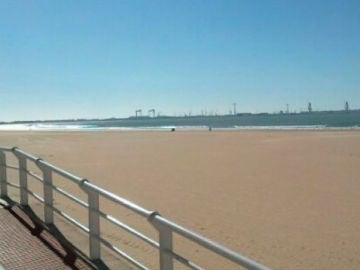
22, 177
94, 221
166, 243
48, 192
3, 177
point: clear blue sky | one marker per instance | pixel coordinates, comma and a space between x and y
84, 59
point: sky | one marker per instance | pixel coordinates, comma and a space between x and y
98, 59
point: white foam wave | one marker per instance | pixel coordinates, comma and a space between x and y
41, 127
79, 127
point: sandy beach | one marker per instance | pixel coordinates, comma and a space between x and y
287, 199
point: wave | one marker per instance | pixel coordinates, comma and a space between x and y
43, 127
84, 127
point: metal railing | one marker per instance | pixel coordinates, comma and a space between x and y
163, 226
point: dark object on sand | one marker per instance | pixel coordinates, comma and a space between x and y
172, 129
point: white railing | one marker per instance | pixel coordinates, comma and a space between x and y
165, 228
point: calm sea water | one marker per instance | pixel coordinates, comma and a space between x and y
315, 120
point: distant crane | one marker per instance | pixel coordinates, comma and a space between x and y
138, 112
234, 104
151, 112
287, 108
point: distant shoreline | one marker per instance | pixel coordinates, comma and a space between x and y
291, 121
74, 128
284, 115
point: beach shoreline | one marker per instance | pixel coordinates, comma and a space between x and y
287, 199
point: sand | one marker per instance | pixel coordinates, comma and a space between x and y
288, 199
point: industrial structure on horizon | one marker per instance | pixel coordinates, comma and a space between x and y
233, 111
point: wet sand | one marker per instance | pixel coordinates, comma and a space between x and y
288, 199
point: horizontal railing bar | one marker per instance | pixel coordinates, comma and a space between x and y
129, 229
69, 196
35, 176
11, 167
27, 155
223, 251
7, 149
36, 196
123, 254
148, 240
184, 261
117, 199
71, 219
13, 185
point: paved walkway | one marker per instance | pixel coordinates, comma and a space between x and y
26, 246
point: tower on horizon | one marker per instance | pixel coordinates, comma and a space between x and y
309, 107
151, 112
347, 108
138, 112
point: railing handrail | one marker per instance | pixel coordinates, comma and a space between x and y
164, 226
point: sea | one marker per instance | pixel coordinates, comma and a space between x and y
264, 121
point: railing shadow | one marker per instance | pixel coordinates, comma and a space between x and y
51, 237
